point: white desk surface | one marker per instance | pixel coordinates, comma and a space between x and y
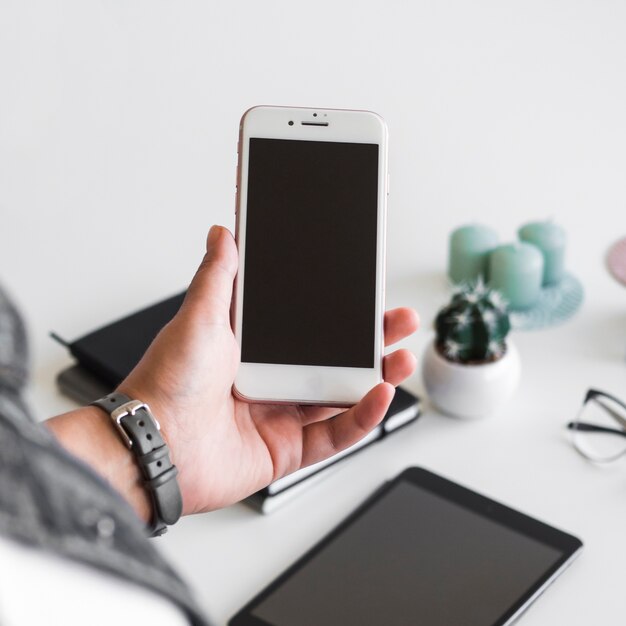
118, 127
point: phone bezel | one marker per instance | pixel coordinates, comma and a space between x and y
307, 384
567, 544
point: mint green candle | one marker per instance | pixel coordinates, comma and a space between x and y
470, 247
550, 238
516, 271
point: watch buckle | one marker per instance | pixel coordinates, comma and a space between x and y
130, 408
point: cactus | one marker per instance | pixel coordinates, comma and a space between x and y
474, 326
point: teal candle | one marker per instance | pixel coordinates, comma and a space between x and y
550, 239
516, 271
470, 247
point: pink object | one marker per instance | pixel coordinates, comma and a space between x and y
616, 260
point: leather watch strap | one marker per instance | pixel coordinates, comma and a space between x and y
141, 433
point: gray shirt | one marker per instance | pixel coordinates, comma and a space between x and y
52, 501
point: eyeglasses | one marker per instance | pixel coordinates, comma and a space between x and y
599, 431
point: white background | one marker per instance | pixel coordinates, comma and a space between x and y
118, 129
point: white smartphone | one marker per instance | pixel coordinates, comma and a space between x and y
311, 220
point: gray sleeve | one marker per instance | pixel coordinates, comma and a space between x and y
52, 501
13, 355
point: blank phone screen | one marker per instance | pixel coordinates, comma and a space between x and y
414, 557
309, 294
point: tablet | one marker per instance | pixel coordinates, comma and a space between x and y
421, 550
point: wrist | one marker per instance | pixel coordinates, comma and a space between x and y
88, 434
140, 431
162, 410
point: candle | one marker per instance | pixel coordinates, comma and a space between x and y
469, 252
550, 239
516, 271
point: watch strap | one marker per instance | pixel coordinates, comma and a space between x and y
141, 433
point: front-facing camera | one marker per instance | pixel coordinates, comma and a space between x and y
290, 122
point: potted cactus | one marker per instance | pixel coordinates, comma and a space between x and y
470, 369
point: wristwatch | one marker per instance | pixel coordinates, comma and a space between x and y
140, 431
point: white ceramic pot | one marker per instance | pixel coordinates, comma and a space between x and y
470, 391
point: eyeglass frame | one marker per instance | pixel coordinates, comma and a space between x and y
586, 427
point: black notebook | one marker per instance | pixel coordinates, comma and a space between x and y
107, 355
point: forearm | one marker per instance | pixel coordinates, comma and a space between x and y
88, 434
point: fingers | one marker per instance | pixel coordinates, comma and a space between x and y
323, 439
398, 366
211, 289
400, 323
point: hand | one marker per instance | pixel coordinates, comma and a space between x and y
224, 448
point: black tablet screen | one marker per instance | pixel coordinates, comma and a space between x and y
412, 558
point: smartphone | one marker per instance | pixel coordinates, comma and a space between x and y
311, 220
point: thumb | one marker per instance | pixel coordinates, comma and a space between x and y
211, 289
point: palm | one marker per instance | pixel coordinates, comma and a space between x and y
237, 447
